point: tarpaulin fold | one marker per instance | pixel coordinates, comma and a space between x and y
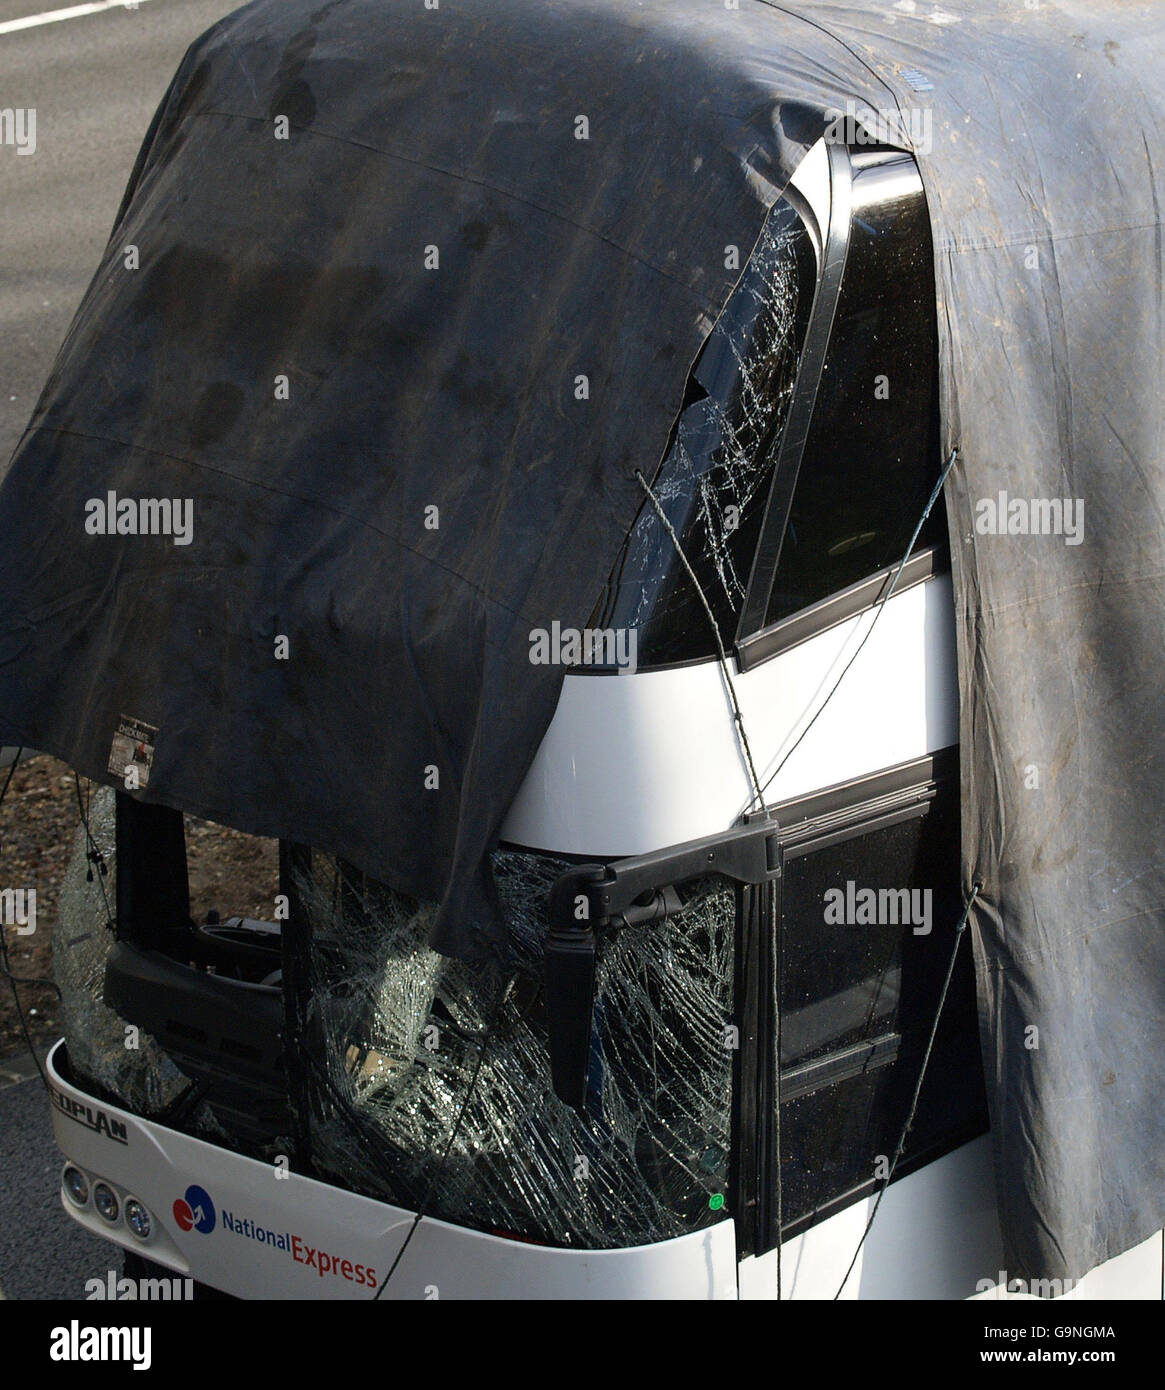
367, 255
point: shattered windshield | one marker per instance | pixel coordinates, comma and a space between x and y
383, 1066
400, 1029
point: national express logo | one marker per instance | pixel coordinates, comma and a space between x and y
195, 1211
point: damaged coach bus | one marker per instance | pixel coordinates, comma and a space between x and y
721, 1013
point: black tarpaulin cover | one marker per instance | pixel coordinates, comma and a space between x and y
328, 335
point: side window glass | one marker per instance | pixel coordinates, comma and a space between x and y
871, 456
865, 931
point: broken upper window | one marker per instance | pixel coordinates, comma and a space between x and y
871, 455
714, 481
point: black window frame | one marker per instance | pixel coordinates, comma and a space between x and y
800, 418
756, 640
805, 825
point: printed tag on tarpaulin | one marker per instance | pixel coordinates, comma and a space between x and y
132, 753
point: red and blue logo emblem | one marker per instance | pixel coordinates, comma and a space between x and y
195, 1212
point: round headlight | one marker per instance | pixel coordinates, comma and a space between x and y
105, 1200
137, 1218
76, 1185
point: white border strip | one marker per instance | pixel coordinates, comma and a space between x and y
34, 21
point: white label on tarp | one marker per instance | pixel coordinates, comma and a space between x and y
132, 753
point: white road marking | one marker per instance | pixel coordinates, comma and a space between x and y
34, 21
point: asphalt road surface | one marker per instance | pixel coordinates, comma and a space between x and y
43, 1253
93, 80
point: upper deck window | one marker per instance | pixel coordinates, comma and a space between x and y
870, 422
715, 478
871, 456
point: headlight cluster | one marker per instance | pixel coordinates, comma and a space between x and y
82, 1191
